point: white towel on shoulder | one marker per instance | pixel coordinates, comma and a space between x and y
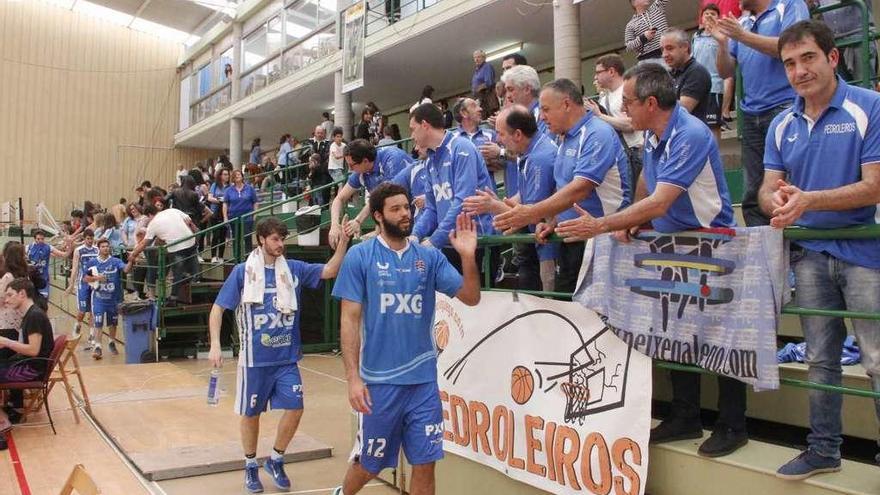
255, 282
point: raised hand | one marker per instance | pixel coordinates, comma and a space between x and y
464, 238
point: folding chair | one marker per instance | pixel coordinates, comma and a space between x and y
80, 481
39, 396
68, 367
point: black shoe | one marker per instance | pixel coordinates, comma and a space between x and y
13, 415
671, 430
722, 442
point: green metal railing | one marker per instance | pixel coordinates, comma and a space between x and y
790, 233
863, 39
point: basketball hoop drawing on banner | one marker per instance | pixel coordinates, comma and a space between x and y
589, 382
353, 46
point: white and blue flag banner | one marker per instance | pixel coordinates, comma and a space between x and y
543, 391
709, 297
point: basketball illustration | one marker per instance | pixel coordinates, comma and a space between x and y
441, 334
522, 384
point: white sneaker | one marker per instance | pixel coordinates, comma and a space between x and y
90, 344
337, 491
201, 260
215, 260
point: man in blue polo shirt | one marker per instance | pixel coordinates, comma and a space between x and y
752, 46
469, 114
518, 131
455, 170
682, 187
266, 294
591, 170
370, 166
388, 287
823, 171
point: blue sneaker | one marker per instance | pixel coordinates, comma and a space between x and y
276, 471
806, 464
252, 479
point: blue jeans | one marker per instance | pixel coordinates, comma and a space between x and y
754, 134
825, 282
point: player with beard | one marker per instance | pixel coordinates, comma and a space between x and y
387, 287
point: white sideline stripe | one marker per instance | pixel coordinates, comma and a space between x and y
321, 490
324, 375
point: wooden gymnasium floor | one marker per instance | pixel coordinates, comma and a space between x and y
117, 390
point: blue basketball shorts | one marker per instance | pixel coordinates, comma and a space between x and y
279, 387
407, 415
84, 298
104, 314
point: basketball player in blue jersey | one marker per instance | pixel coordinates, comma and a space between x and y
38, 255
387, 290
81, 255
266, 294
105, 272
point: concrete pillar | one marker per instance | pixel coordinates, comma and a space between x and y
567, 40
342, 107
236, 135
236, 61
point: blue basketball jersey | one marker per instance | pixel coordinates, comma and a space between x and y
268, 337
112, 269
86, 254
38, 255
397, 294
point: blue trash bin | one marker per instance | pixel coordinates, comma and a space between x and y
139, 324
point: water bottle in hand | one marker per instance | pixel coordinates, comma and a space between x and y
214, 387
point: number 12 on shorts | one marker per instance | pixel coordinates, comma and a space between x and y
379, 444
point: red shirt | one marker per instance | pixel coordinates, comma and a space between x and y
726, 7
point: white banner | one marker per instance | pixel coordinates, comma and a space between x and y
544, 392
353, 46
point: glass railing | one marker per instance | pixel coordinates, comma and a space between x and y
384, 13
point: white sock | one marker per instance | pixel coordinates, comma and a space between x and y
276, 456
250, 461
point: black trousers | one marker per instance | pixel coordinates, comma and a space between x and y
528, 273
731, 400
571, 255
494, 261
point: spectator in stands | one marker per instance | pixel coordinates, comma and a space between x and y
118, 210
483, 83
449, 185
591, 164
609, 78
679, 197
28, 363
187, 200
11, 268
362, 130
255, 157
386, 139
499, 94
112, 233
170, 226
392, 11
336, 163
536, 155
327, 124
705, 50
512, 60
227, 72
215, 203
142, 191
181, 173
377, 123
395, 133
129, 225
448, 118
522, 86
239, 201
845, 22
145, 275
693, 84
831, 122
427, 95
369, 167
644, 29
468, 114
285, 148
318, 146
724, 7
766, 92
